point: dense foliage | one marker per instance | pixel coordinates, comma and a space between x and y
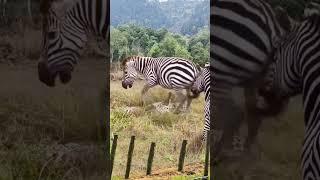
131, 39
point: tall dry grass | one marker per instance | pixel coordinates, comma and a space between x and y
167, 130
275, 155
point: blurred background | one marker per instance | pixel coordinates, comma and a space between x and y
48, 133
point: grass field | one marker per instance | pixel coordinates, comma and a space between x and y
275, 155
51, 133
167, 130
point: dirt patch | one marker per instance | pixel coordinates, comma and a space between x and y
167, 173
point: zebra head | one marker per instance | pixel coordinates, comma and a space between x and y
63, 36
129, 72
272, 100
199, 84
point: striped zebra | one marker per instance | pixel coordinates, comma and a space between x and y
66, 26
243, 34
202, 84
168, 72
295, 71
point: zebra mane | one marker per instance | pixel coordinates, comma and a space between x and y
125, 60
314, 19
59, 7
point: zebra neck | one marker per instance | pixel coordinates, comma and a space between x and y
143, 64
96, 23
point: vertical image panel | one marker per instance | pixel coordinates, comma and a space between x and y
54, 92
159, 84
259, 85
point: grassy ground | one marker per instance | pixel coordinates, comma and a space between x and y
51, 132
275, 155
167, 130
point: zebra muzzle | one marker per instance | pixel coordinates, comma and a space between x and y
125, 85
65, 76
45, 76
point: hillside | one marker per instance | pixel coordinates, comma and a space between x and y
181, 16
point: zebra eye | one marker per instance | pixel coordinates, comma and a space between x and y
52, 35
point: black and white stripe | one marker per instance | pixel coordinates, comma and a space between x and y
202, 84
65, 33
296, 70
168, 72
242, 36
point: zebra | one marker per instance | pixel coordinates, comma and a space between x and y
202, 84
168, 72
243, 34
66, 26
295, 70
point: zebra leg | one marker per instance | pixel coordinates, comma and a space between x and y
182, 99
253, 119
143, 94
206, 127
189, 100
167, 101
227, 119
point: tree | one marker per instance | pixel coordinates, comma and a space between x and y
155, 51
119, 44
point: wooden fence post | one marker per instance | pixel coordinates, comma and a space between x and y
130, 153
150, 158
182, 155
113, 150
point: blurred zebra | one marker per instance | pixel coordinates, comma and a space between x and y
65, 32
295, 71
243, 34
168, 72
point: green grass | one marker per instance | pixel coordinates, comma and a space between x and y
275, 155
167, 130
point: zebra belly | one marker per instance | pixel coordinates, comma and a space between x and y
175, 85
